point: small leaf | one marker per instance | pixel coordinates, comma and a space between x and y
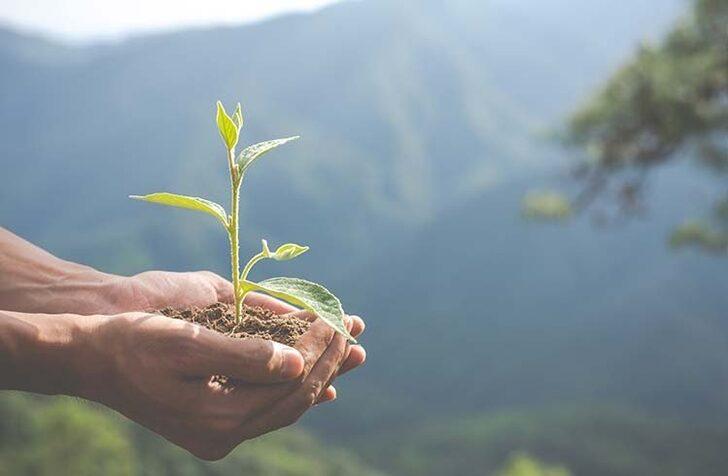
238, 118
308, 295
288, 251
226, 126
251, 153
266, 250
183, 201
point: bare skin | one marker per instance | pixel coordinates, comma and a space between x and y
70, 329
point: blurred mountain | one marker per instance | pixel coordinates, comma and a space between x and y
605, 442
423, 123
405, 108
43, 436
483, 310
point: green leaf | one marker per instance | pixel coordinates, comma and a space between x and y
183, 201
238, 118
284, 252
228, 130
288, 251
251, 153
308, 295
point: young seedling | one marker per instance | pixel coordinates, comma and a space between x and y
299, 292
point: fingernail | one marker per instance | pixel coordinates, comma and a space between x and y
292, 364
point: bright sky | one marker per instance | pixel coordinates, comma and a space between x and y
83, 20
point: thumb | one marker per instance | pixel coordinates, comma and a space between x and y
251, 360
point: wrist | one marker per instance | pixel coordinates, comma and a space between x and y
57, 287
47, 353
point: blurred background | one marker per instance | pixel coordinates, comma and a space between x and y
526, 200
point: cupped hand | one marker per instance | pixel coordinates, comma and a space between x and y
153, 290
157, 371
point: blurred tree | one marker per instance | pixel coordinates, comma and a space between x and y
521, 464
42, 436
64, 437
549, 205
670, 102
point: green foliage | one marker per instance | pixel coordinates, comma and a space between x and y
546, 205
669, 102
229, 129
593, 441
190, 203
667, 96
64, 437
284, 252
48, 437
521, 464
708, 235
252, 153
702, 235
309, 295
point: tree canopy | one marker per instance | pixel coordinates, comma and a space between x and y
669, 103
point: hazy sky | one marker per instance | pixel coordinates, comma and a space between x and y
81, 20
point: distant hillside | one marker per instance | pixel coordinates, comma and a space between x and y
422, 126
482, 310
405, 108
44, 436
596, 442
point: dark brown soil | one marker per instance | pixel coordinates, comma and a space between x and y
256, 322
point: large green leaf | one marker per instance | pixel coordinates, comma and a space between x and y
308, 295
251, 153
228, 129
183, 201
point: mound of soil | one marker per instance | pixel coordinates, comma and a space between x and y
256, 322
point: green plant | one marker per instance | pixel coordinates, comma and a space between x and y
298, 292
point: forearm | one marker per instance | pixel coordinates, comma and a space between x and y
33, 280
45, 353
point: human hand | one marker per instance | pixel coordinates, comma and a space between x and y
157, 370
158, 289
34, 281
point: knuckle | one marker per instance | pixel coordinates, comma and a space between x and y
264, 354
309, 395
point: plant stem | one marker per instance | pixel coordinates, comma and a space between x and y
249, 266
234, 236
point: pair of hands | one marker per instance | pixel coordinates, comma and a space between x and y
71, 329
162, 367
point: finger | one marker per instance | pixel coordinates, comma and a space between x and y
223, 287
263, 300
250, 360
357, 326
357, 356
312, 345
289, 409
349, 323
328, 395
